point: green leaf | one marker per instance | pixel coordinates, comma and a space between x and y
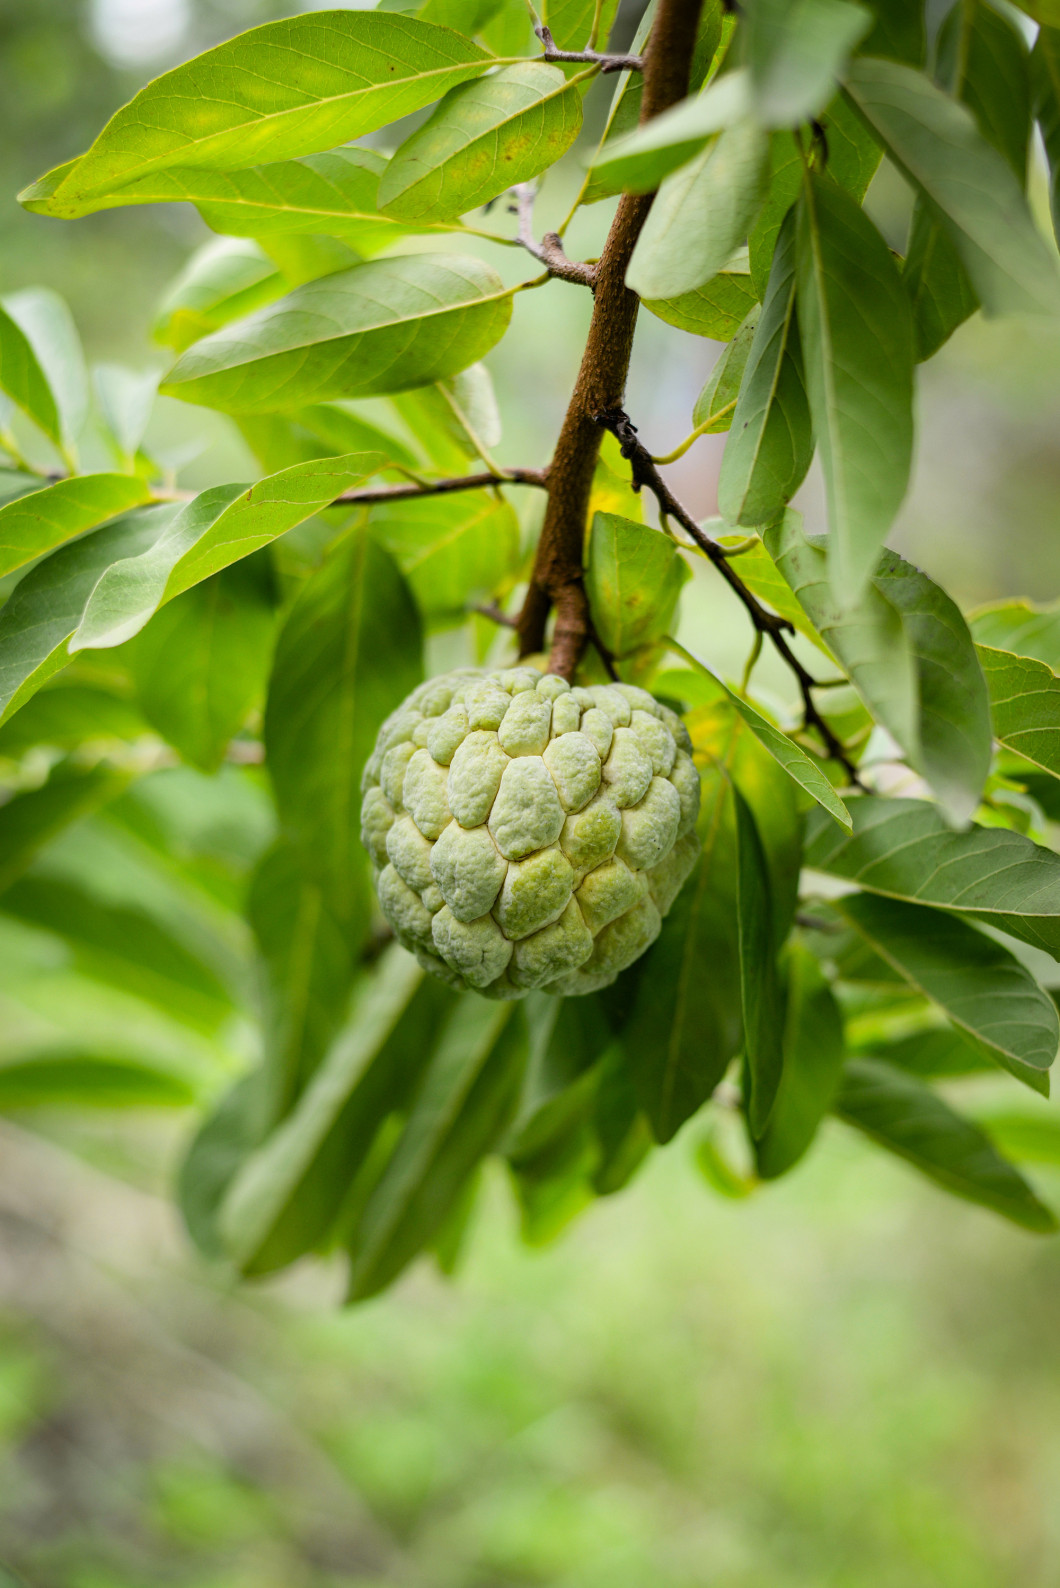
570, 21
1027, 1139
200, 667
23, 379
938, 1051
30, 820
700, 215
641, 160
1024, 706
220, 1146
467, 1099
127, 947
907, 650
221, 282
937, 145
307, 973
219, 527
289, 1192
126, 400
799, 766
68, 717
898, 31
633, 579
715, 404
908, 1119
940, 294
812, 1062
716, 309
1047, 12
348, 653
795, 50
977, 983
36, 523
82, 1078
46, 321
282, 90
771, 442
760, 993
622, 1133
856, 334
1020, 627
1045, 82
904, 849
482, 139
381, 327
450, 549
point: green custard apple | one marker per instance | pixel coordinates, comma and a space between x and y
526, 834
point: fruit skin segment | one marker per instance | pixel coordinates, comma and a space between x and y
526, 834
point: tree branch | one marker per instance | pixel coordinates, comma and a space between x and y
557, 578
606, 63
462, 482
550, 249
765, 622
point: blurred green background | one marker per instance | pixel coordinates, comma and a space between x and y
846, 1380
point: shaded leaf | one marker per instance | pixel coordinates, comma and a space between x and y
716, 403
716, 309
46, 321
908, 1119
812, 1062
856, 333
795, 50
69, 716
381, 327
222, 281
938, 1051
30, 820
219, 1147
633, 580
23, 379
761, 997
281, 90
79, 1078
641, 160
451, 549
1045, 84
898, 31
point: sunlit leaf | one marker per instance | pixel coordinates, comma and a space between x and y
633, 579
42, 520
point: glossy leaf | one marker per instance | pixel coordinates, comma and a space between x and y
201, 665
701, 214
483, 138
284, 89
633, 580
908, 1119
381, 327
347, 655
716, 309
795, 50
904, 849
812, 1055
771, 442
977, 983
219, 527
760, 992
37, 523
468, 1097
451, 550
908, 653
938, 146
856, 333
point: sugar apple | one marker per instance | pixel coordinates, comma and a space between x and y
526, 834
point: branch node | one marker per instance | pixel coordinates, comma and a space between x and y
606, 63
550, 249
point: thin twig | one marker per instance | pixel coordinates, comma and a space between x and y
765, 622
550, 249
490, 609
461, 482
606, 63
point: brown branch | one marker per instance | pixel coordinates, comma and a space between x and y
765, 622
606, 63
557, 578
462, 482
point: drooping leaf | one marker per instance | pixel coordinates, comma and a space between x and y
856, 334
940, 293
760, 991
716, 403
217, 1150
483, 138
812, 1056
795, 51
450, 549
701, 214
23, 379
218, 527
1020, 627
935, 142
381, 327
29, 820
45, 320
1024, 706
80, 1078
771, 441
467, 1099
980, 985
622, 1133
910, 1120
42, 520
716, 309
641, 160
904, 849
348, 653
1045, 84
633, 580
907, 650
201, 665
126, 399
222, 281
279, 91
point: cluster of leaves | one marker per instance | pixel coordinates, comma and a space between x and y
834, 951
